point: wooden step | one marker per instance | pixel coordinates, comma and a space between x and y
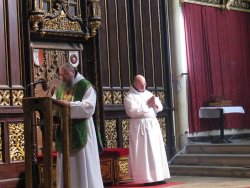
209, 171
234, 160
218, 148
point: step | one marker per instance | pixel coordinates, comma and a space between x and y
236, 160
209, 171
229, 148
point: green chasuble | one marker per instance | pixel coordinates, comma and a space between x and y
78, 127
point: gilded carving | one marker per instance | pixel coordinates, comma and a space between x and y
110, 133
162, 122
161, 96
117, 97
1, 143
125, 132
213, 1
61, 23
205, 1
107, 97
4, 97
241, 5
41, 174
36, 18
94, 16
57, 17
17, 97
123, 166
106, 168
49, 61
16, 141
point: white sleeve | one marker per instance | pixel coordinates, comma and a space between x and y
84, 108
159, 104
135, 108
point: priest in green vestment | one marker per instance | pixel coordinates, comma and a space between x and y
77, 92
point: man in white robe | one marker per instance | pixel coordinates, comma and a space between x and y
84, 162
147, 156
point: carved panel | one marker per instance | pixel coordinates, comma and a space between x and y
117, 97
47, 58
61, 23
65, 18
17, 96
161, 96
41, 175
123, 165
125, 132
4, 98
111, 133
16, 142
107, 97
1, 142
122, 169
107, 169
162, 122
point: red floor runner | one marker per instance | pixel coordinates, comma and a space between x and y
142, 185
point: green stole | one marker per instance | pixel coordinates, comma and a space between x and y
78, 136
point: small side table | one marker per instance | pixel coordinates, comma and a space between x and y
218, 112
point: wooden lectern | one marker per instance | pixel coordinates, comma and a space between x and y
46, 107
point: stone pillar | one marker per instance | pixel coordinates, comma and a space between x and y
179, 72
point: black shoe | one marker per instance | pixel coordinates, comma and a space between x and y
155, 183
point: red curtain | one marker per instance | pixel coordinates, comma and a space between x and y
218, 56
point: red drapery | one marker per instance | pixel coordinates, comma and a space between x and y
218, 56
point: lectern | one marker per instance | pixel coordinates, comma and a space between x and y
46, 107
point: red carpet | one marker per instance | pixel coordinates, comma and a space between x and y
142, 185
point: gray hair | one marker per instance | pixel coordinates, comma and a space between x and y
67, 66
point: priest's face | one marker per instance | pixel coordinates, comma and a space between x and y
67, 77
140, 83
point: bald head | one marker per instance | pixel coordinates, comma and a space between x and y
139, 83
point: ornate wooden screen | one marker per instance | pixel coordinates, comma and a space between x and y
36, 36
11, 93
133, 40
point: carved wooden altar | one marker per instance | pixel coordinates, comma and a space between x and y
46, 107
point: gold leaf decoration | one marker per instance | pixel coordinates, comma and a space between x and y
4, 98
16, 141
61, 23
17, 97
162, 122
125, 132
107, 97
110, 133
117, 97
1, 143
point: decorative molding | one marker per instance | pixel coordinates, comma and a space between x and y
239, 5
59, 21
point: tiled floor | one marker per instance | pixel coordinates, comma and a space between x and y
209, 182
